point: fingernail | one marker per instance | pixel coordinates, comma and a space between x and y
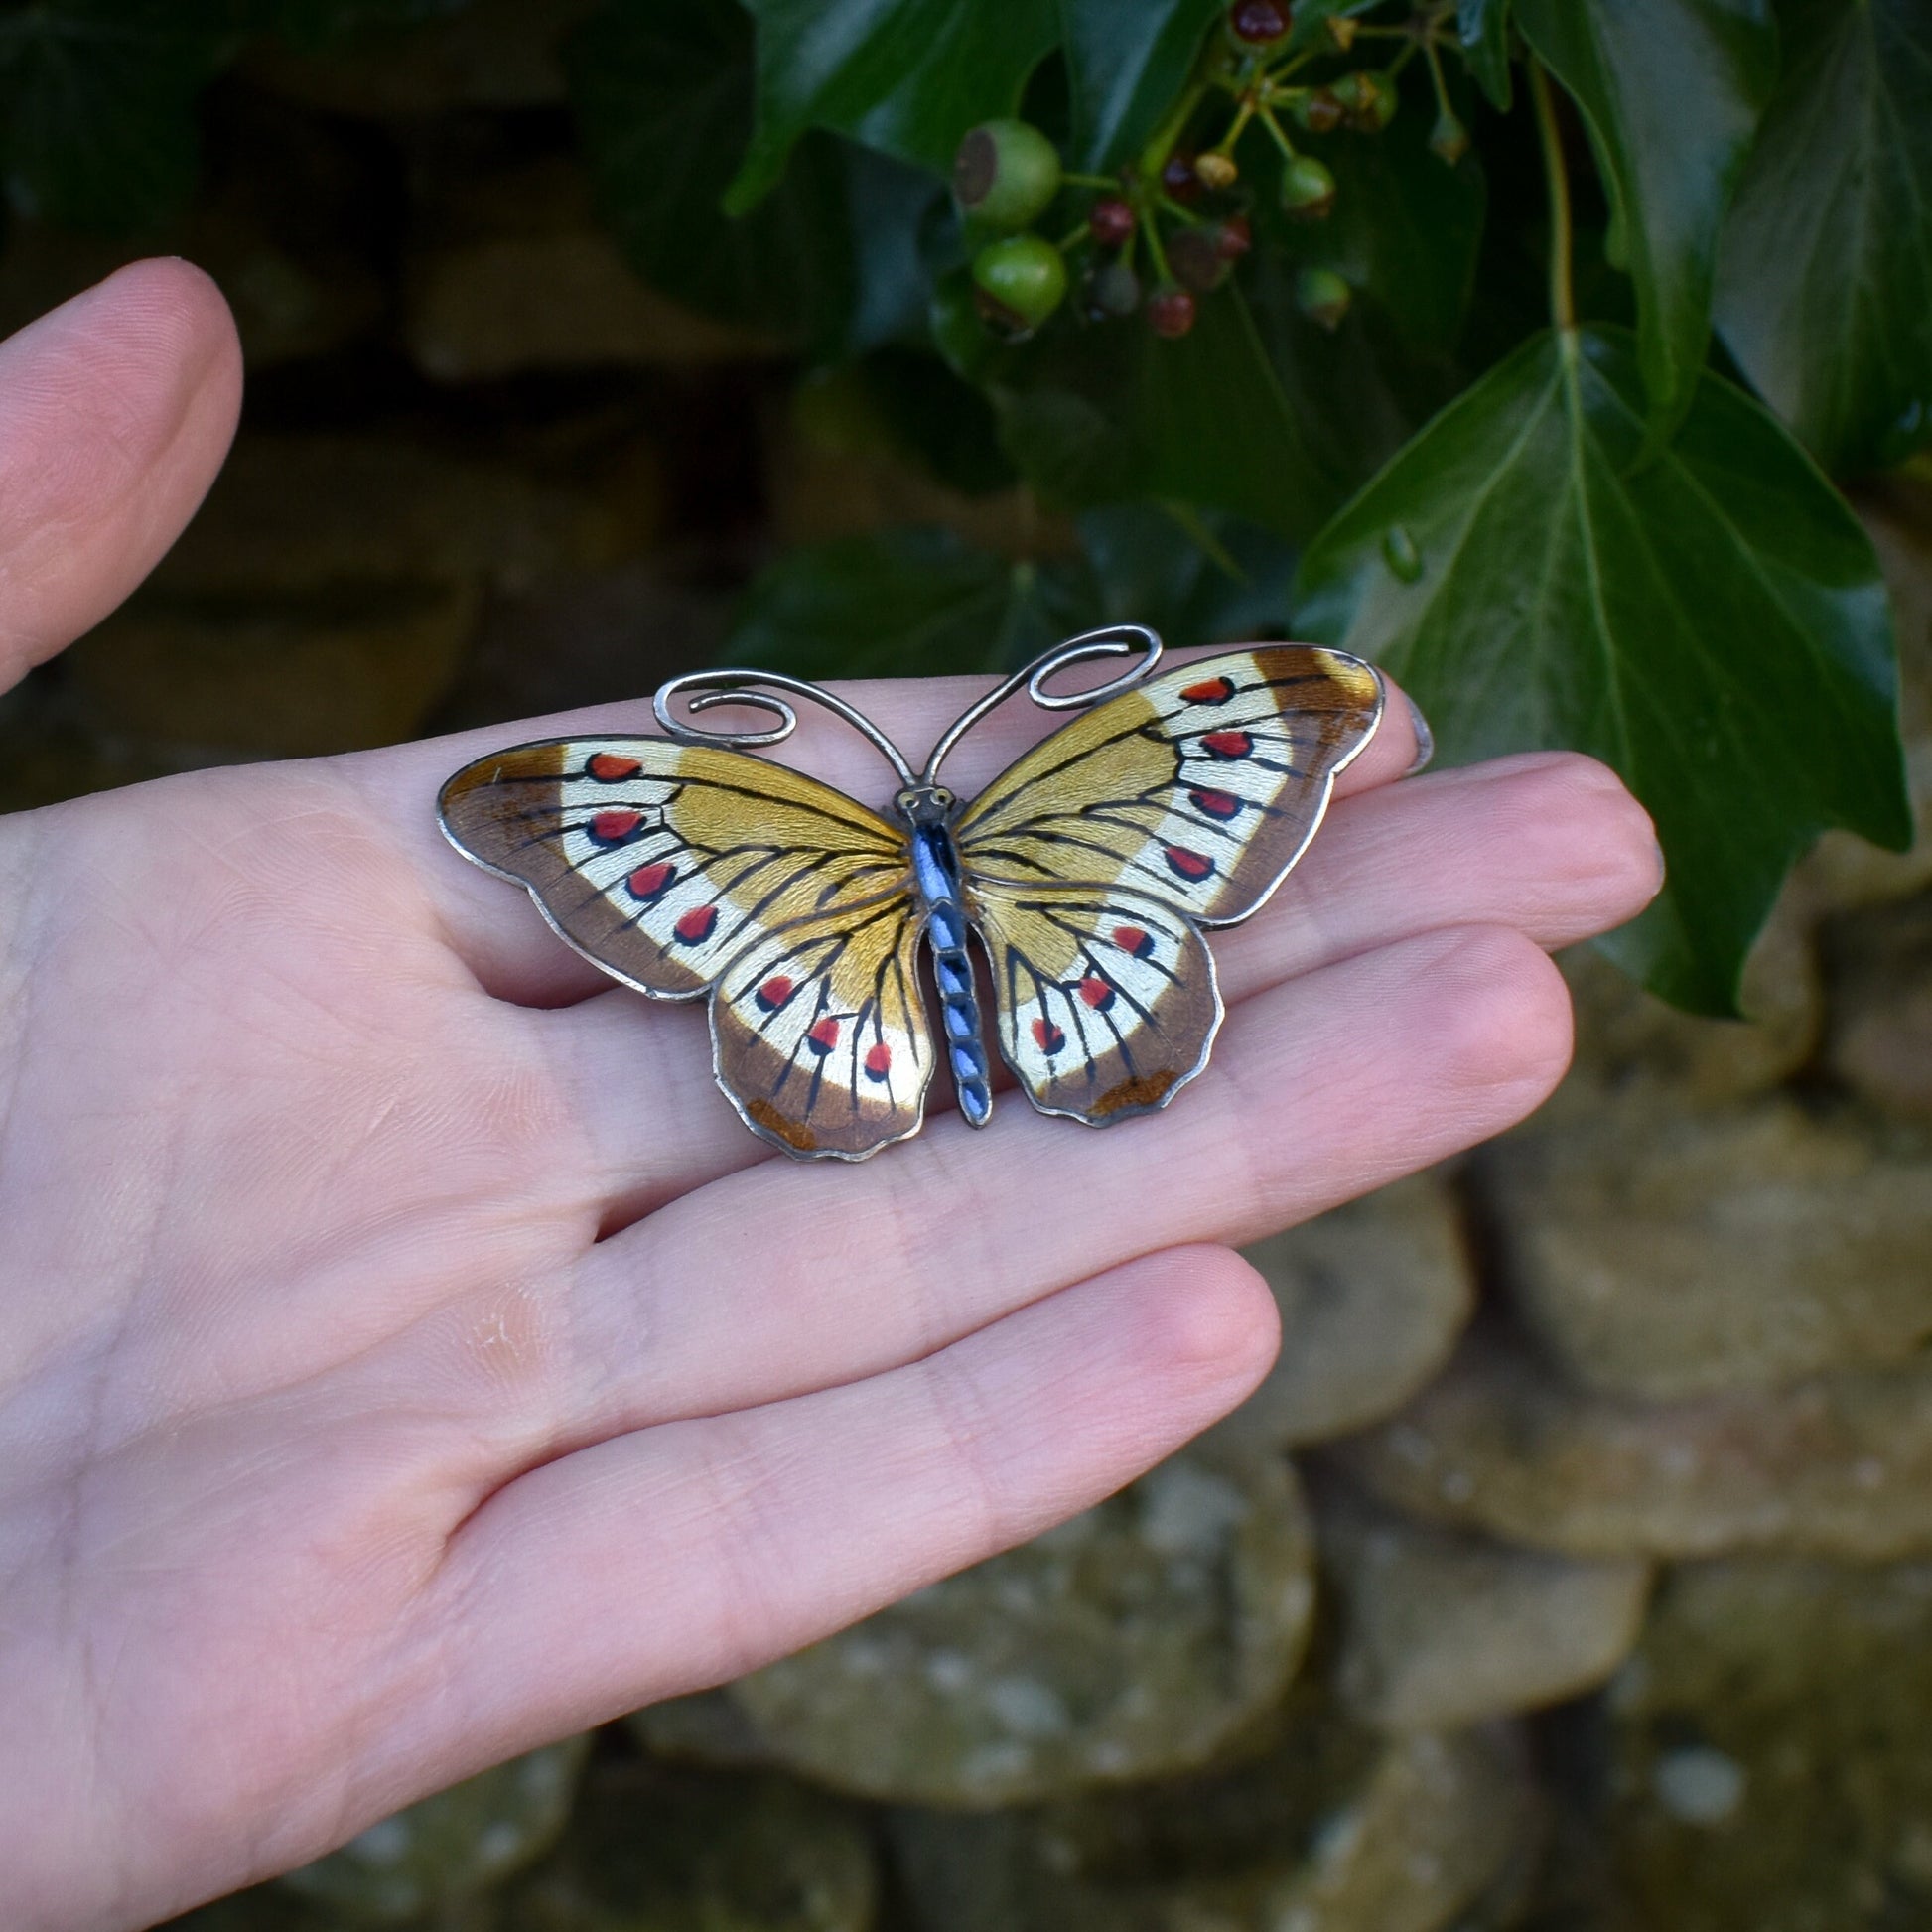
1425, 737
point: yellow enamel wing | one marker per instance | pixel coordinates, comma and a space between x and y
1087, 869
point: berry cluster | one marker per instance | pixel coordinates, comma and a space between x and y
1168, 228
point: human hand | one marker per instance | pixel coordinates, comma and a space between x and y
406, 1356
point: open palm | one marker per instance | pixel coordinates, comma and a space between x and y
406, 1357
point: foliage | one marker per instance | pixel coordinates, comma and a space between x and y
1321, 301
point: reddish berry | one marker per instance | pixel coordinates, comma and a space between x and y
1316, 109
1179, 180
1233, 239
1259, 23
1195, 261
1110, 221
1171, 313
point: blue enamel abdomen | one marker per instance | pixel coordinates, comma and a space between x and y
936, 869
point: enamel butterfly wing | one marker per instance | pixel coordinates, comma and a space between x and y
686, 867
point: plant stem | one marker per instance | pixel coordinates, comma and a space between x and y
1273, 129
1092, 181
1563, 300
1153, 157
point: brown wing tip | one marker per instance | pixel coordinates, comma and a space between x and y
794, 1133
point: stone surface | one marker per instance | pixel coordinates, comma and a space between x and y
1372, 1297
463, 1841
1441, 1629
1880, 1042
653, 1848
1767, 1760
1333, 1829
1130, 1643
1836, 1465
1661, 1251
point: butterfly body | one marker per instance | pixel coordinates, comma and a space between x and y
1087, 873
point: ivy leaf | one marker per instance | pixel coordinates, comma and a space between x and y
97, 106
911, 602
663, 99
1111, 412
1670, 91
908, 77
1209, 580
1825, 277
1709, 622
1483, 29
1126, 61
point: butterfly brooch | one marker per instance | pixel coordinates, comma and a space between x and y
686, 867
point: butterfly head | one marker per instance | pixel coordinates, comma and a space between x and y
926, 804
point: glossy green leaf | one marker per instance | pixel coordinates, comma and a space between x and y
97, 106
1710, 621
1126, 61
1483, 32
1111, 412
1670, 91
663, 97
1825, 279
1197, 579
913, 603
907, 76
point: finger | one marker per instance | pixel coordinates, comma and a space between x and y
1320, 1089
116, 413
516, 956
678, 1557
1549, 843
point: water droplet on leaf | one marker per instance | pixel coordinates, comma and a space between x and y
1399, 552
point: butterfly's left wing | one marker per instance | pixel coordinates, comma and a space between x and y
1092, 861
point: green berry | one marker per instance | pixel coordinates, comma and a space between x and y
1449, 137
1316, 109
1323, 296
1020, 282
1368, 99
1307, 189
1004, 173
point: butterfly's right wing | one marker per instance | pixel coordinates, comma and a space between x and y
662, 862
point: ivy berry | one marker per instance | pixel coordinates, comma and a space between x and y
1113, 290
1171, 313
1307, 189
1316, 110
1323, 296
1019, 282
1110, 221
1178, 179
1368, 99
1233, 239
1260, 22
1004, 175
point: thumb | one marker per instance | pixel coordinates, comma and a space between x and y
116, 413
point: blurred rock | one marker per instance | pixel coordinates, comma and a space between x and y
461, 1841
1442, 1629
1372, 1297
1837, 1465
1880, 1042
658, 1849
1130, 1643
1628, 1039
491, 54
1332, 1830
1767, 1751
511, 272
1660, 1252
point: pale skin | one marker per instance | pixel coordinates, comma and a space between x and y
407, 1357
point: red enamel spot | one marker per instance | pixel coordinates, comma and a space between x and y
823, 1037
1096, 992
696, 924
1189, 865
1131, 939
614, 826
1216, 690
1216, 805
1228, 745
774, 993
650, 882
878, 1062
610, 769
1047, 1036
